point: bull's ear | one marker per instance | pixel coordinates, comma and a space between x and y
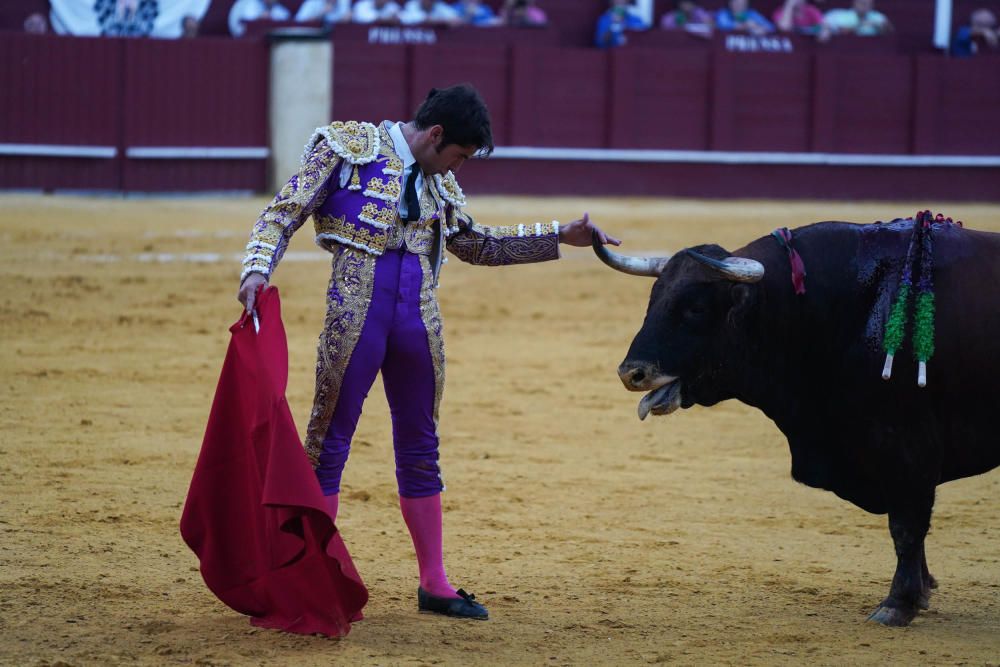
742, 298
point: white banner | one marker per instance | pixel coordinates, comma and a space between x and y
124, 18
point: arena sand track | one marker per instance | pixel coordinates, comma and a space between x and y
592, 537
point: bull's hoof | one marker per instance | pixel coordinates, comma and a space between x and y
894, 617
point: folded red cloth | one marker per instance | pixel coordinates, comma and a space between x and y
255, 515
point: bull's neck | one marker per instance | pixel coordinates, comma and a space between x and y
794, 341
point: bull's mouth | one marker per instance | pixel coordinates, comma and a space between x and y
661, 401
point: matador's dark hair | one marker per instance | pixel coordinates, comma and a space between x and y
462, 113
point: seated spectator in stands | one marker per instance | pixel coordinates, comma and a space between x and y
429, 12
612, 24
798, 16
980, 36
739, 17
327, 11
255, 10
860, 19
522, 13
371, 11
36, 24
190, 25
688, 16
477, 13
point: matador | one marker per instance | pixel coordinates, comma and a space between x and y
386, 204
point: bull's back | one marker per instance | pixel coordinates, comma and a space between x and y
953, 424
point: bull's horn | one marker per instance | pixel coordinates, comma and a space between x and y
636, 266
740, 269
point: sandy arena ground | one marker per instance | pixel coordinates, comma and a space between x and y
593, 538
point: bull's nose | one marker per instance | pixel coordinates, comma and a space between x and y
633, 375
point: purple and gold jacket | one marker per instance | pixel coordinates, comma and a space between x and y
365, 214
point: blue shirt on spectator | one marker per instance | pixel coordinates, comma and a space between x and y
611, 27
725, 20
476, 14
961, 46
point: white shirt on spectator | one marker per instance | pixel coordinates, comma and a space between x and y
413, 13
251, 10
847, 20
315, 10
366, 12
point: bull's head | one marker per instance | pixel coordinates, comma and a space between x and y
695, 307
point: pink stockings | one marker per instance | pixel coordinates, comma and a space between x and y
423, 519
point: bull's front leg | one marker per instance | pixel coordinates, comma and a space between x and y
911, 584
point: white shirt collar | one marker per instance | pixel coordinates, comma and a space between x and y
399, 144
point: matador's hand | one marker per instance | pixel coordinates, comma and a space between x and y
579, 233
248, 290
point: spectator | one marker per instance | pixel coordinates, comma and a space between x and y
980, 35
371, 11
190, 25
253, 10
689, 17
432, 12
739, 17
612, 24
477, 13
36, 24
327, 11
798, 16
521, 13
860, 19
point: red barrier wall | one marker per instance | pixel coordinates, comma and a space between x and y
864, 104
761, 103
721, 181
657, 101
131, 94
958, 109
200, 93
558, 97
371, 82
60, 91
127, 94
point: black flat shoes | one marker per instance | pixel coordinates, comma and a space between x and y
460, 607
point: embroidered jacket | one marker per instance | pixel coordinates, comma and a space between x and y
365, 214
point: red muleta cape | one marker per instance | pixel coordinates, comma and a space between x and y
255, 515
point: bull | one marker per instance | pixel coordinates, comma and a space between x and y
731, 326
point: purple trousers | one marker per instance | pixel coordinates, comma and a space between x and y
393, 340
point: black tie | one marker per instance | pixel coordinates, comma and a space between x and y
410, 195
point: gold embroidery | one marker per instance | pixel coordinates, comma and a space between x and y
377, 215
300, 196
385, 190
430, 313
348, 297
329, 228
419, 239
393, 165
510, 244
355, 179
450, 190
394, 238
358, 143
